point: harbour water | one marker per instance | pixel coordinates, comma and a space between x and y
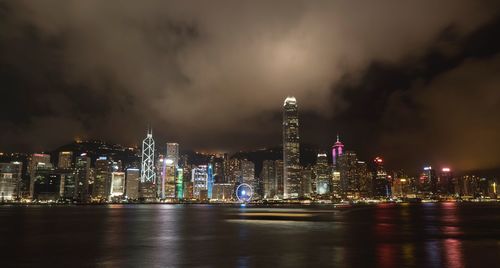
384, 235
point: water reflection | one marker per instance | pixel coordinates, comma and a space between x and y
200, 236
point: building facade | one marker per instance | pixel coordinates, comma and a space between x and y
291, 150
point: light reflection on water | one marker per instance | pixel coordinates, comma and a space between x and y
389, 235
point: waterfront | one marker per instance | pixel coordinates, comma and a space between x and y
384, 235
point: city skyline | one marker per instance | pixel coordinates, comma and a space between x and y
422, 82
262, 133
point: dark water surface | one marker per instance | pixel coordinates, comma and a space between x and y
388, 235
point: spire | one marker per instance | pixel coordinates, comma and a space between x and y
338, 137
150, 131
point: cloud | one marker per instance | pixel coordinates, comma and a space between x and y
206, 71
454, 119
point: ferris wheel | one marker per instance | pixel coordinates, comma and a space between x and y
244, 192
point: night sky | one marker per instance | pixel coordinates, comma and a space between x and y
414, 81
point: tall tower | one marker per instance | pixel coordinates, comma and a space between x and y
148, 175
291, 152
170, 165
337, 150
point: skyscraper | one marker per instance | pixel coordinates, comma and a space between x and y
381, 185
169, 170
103, 176
347, 166
10, 179
35, 161
291, 151
132, 185
117, 184
148, 175
268, 175
199, 178
65, 160
337, 150
82, 175
323, 175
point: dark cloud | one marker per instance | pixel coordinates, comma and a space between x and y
213, 74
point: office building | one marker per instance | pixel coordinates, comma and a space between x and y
337, 150
147, 190
381, 187
132, 186
65, 160
199, 178
102, 181
82, 178
322, 176
291, 150
34, 162
10, 180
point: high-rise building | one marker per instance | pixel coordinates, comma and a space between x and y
117, 184
337, 150
403, 186
428, 181
46, 183
233, 170
279, 179
446, 181
364, 180
346, 166
291, 150
65, 160
169, 170
336, 185
210, 180
381, 187
268, 175
223, 191
82, 178
148, 176
219, 167
103, 176
306, 174
248, 172
323, 175
132, 185
10, 180
67, 189
179, 184
35, 161
199, 178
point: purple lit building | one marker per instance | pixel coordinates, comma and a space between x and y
337, 150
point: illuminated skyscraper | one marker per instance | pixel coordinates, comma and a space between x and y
148, 175
291, 150
323, 175
102, 182
35, 161
82, 176
65, 160
337, 150
268, 175
199, 178
347, 166
132, 185
179, 184
169, 170
381, 185
428, 181
117, 184
447, 182
210, 180
10, 179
